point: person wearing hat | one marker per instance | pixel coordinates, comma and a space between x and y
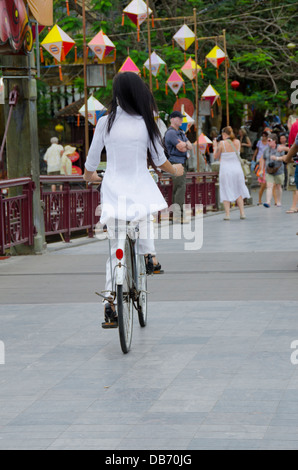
177, 145
52, 158
66, 164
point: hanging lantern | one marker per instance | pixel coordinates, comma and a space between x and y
156, 64
216, 57
175, 82
184, 37
235, 85
95, 110
204, 142
101, 45
129, 66
187, 121
58, 44
211, 95
136, 11
189, 69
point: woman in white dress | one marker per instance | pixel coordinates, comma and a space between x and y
232, 185
128, 191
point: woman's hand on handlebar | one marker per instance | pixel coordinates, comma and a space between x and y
92, 177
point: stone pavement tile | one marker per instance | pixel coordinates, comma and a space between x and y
233, 432
223, 444
49, 417
289, 419
84, 444
252, 394
25, 444
93, 417
96, 431
193, 393
160, 431
178, 340
245, 382
130, 394
245, 406
162, 443
219, 363
44, 431
251, 418
293, 383
278, 445
182, 406
282, 433
169, 418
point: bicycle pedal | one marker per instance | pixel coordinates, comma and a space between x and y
161, 271
109, 325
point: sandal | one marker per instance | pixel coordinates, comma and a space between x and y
149, 264
111, 318
292, 211
157, 269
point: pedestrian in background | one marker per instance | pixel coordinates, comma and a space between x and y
177, 145
231, 178
53, 159
275, 174
245, 151
283, 147
262, 144
293, 128
66, 163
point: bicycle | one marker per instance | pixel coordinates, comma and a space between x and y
129, 280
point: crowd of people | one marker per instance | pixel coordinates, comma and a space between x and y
266, 154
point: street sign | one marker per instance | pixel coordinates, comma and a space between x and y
96, 76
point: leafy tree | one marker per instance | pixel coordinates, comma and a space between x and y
258, 34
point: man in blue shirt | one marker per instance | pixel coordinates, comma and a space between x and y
177, 146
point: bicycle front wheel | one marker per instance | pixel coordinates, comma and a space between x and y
142, 290
125, 302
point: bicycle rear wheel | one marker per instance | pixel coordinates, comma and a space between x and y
125, 301
142, 290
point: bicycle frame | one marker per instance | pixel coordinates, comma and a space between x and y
119, 271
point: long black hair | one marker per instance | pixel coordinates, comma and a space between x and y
135, 98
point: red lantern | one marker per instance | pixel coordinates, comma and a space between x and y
235, 85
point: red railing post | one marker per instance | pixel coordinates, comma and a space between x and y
67, 211
205, 194
193, 194
29, 228
2, 229
90, 212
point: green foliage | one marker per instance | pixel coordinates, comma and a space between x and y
257, 38
252, 60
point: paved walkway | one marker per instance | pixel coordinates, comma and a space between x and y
212, 370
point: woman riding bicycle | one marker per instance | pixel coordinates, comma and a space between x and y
128, 191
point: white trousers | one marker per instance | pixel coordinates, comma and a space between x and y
145, 244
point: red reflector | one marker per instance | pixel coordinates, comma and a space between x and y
119, 254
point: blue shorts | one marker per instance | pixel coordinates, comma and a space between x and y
296, 176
